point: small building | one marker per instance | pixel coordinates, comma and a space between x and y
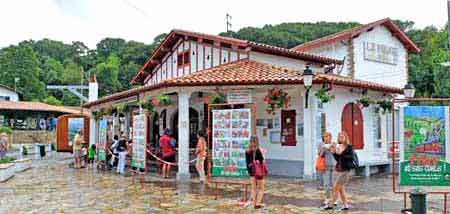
193, 69
9, 94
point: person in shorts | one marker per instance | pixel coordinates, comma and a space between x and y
91, 155
77, 146
168, 154
344, 161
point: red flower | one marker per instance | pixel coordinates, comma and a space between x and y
155, 102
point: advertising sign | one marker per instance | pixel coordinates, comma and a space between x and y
102, 140
139, 140
230, 139
239, 96
424, 146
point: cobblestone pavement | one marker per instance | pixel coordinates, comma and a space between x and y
51, 186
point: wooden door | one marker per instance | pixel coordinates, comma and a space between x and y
352, 124
288, 136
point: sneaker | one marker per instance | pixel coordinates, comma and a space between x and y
343, 208
326, 207
323, 206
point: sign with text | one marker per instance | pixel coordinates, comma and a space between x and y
239, 96
102, 140
139, 153
230, 139
424, 146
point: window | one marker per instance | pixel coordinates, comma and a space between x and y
183, 59
378, 139
4, 98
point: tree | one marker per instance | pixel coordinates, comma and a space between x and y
51, 100
108, 73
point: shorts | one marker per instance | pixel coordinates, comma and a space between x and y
91, 160
77, 154
342, 178
170, 159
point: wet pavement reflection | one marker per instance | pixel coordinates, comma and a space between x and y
51, 186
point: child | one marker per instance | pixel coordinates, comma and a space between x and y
84, 152
91, 155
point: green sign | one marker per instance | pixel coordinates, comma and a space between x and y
102, 140
424, 159
231, 137
139, 140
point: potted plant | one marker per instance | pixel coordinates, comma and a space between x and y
121, 108
365, 101
147, 105
218, 98
275, 99
324, 96
162, 100
385, 106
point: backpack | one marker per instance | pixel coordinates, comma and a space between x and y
355, 160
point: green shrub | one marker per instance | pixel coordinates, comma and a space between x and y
7, 160
53, 147
7, 130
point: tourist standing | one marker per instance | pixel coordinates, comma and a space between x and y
326, 172
254, 156
77, 146
122, 152
200, 151
113, 151
168, 154
344, 157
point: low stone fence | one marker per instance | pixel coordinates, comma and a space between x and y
8, 170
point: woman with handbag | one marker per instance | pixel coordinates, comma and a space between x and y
324, 167
257, 170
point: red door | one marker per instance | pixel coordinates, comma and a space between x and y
352, 124
288, 136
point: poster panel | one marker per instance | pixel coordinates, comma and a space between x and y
139, 153
231, 137
424, 158
102, 140
74, 126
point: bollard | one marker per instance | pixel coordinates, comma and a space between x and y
418, 202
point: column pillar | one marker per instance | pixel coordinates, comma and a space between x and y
309, 132
183, 136
92, 130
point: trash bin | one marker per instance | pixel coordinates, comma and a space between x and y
42, 150
418, 202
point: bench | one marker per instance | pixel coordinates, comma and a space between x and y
216, 182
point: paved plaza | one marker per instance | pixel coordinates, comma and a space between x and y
51, 186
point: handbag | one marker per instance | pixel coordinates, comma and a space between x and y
320, 163
259, 169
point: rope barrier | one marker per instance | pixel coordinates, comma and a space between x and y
165, 162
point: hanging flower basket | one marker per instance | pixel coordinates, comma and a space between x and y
275, 99
385, 106
365, 101
97, 115
218, 98
162, 100
121, 108
147, 105
324, 96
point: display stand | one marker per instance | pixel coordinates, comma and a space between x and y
423, 185
102, 144
139, 152
230, 127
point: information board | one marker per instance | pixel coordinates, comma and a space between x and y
102, 140
231, 137
424, 146
139, 140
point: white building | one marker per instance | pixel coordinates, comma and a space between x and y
190, 66
8, 94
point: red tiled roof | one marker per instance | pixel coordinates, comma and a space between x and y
176, 34
35, 106
247, 72
353, 32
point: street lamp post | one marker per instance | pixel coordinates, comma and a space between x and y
409, 90
308, 76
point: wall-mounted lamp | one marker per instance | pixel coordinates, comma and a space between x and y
308, 76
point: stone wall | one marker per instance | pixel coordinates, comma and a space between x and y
34, 136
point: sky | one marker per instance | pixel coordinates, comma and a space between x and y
89, 21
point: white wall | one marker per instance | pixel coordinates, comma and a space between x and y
13, 96
337, 50
387, 74
277, 151
282, 61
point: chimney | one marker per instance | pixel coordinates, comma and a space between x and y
93, 89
